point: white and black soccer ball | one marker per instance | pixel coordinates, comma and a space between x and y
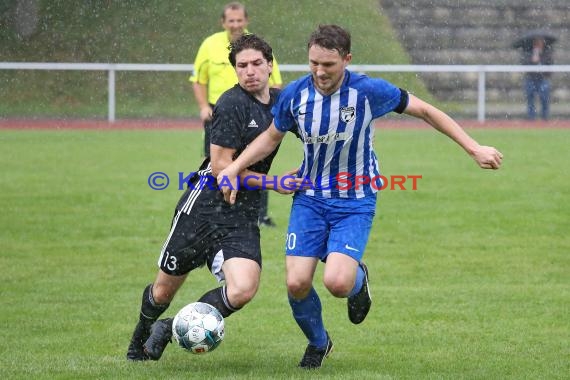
198, 327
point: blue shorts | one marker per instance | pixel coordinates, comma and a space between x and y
319, 226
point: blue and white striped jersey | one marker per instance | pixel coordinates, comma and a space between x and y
337, 132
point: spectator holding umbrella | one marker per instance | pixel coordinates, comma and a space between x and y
536, 50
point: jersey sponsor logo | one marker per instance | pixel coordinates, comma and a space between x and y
252, 124
347, 114
326, 139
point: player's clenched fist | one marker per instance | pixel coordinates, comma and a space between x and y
228, 184
488, 157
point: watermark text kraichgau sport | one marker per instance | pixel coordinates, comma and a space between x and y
343, 181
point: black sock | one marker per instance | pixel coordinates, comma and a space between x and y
218, 298
150, 310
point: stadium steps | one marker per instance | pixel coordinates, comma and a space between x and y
450, 32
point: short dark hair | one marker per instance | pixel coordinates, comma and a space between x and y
331, 37
250, 41
234, 6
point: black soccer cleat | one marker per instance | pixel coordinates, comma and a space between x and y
160, 336
314, 357
135, 351
359, 304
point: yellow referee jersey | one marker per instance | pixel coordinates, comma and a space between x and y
212, 67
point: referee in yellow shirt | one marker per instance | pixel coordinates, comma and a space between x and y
213, 75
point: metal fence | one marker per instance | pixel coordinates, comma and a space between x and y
112, 68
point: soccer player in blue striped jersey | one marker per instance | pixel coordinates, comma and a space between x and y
332, 109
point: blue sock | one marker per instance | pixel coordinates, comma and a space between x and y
358, 282
308, 315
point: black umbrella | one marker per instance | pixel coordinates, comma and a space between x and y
525, 41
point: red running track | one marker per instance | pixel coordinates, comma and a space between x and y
63, 124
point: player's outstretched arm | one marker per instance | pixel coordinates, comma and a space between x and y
487, 157
286, 184
257, 150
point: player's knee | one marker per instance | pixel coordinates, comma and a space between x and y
298, 288
162, 294
239, 296
337, 286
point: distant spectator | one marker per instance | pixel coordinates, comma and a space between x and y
537, 83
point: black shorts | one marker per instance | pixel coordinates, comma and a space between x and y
194, 241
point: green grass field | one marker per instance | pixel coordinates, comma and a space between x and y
469, 273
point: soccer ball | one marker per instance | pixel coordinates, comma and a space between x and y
198, 327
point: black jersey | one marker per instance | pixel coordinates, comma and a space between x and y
238, 119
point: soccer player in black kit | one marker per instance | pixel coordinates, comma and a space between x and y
206, 229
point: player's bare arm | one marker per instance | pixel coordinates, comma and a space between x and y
287, 183
487, 157
221, 157
259, 148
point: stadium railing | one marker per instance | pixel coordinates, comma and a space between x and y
112, 68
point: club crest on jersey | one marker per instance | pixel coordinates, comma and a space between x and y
347, 114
